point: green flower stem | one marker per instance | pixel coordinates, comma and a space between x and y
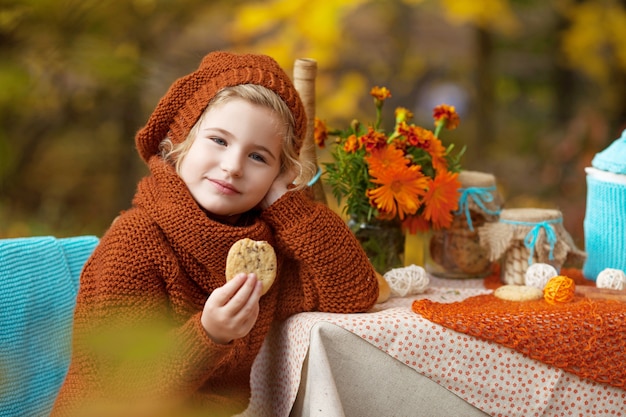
438, 127
379, 114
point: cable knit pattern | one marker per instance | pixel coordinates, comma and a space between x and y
179, 109
159, 262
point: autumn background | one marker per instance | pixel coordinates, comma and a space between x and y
540, 87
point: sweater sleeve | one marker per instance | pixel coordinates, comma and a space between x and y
126, 344
332, 269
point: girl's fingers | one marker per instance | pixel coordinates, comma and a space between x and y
232, 309
251, 307
247, 292
227, 291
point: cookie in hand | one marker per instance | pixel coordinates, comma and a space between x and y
252, 256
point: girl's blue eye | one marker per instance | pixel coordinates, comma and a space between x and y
257, 157
219, 141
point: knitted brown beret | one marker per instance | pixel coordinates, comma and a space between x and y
179, 109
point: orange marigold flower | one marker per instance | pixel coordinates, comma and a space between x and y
441, 199
352, 144
438, 154
400, 144
401, 186
320, 132
414, 224
415, 135
380, 93
385, 158
425, 139
373, 139
447, 115
403, 115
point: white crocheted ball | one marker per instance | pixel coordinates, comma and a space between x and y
614, 279
409, 280
538, 275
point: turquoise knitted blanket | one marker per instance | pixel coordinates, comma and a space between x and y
39, 279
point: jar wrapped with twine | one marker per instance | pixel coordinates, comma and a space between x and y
457, 252
523, 236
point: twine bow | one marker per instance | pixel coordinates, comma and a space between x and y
480, 196
531, 237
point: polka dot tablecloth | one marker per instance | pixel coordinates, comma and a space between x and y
498, 380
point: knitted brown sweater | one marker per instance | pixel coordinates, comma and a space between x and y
158, 263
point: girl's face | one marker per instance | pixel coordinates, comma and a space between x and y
234, 158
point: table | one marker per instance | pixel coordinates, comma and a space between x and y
392, 362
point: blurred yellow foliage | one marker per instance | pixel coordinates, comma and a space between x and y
290, 29
293, 28
596, 37
342, 104
487, 14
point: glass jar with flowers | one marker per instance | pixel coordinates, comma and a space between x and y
392, 183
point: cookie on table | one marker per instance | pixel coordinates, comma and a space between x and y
465, 251
438, 251
384, 290
252, 256
518, 293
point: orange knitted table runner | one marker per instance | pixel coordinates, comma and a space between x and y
585, 337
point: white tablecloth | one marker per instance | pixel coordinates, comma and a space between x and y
305, 361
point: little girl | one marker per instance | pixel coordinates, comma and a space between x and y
157, 329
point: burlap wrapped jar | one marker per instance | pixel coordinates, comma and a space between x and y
456, 252
523, 236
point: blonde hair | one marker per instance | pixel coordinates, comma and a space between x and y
255, 94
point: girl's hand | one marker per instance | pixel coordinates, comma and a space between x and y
231, 310
279, 187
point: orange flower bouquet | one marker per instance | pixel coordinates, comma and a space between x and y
406, 178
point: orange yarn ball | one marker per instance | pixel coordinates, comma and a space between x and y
559, 289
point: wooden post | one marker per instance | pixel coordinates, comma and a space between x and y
304, 73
